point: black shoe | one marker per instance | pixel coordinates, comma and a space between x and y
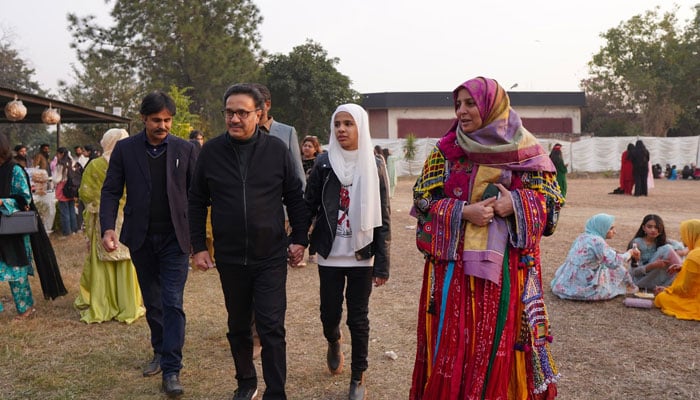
357, 389
334, 358
245, 393
153, 367
172, 386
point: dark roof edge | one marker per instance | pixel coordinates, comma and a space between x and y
7, 92
444, 99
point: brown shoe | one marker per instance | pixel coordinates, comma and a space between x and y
334, 357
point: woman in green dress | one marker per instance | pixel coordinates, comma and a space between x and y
558, 160
109, 289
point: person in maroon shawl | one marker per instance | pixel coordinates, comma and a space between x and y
626, 168
486, 195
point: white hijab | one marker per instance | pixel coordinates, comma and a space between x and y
110, 139
359, 168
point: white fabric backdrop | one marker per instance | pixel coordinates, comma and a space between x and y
593, 154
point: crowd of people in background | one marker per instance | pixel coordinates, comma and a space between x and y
637, 174
670, 172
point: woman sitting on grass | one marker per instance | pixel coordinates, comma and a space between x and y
660, 258
593, 270
682, 298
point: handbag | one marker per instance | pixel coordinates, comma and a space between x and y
19, 223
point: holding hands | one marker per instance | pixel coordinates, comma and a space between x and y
202, 260
295, 253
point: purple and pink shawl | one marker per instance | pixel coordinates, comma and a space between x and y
502, 143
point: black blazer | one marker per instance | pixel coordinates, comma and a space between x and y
128, 168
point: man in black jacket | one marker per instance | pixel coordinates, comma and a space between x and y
247, 177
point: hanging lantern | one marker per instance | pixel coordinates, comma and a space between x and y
50, 116
15, 110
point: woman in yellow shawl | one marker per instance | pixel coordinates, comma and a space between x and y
108, 286
682, 298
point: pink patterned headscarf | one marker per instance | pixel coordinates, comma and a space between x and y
502, 141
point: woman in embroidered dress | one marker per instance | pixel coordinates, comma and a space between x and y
483, 330
682, 298
593, 270
15, 250
108, 285
660, 257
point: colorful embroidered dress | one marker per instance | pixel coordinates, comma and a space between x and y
682, 298
592, 269
483, 331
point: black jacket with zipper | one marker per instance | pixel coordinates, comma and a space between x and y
246, 210
323, 200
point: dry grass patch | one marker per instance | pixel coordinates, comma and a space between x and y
604, 350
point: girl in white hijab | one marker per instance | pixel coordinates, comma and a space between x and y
347, 194
357, 167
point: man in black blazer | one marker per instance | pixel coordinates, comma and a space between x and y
155, 168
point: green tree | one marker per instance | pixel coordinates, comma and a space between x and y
183, 121
409, 151
99, 83
646, 62
15, 73
306, 88
689, 92
203, 45
601, 119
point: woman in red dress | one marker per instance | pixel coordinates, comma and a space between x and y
626, 177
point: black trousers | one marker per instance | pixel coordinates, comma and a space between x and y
260, 289
161, 268
359, 287
640, 182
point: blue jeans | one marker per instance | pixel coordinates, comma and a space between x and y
69, 221
162, 268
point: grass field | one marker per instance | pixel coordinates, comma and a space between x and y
604, 350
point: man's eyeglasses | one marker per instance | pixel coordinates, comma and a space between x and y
242, 114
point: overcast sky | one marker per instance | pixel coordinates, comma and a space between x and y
388, 45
